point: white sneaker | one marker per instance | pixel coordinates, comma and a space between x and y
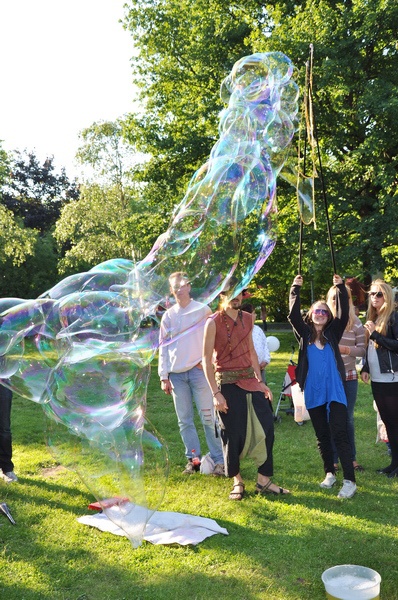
329, 481
8, 477
348, 490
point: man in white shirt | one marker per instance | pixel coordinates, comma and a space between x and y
181, 373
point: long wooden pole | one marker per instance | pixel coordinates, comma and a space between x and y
325, 201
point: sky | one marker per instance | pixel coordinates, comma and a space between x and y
63, 65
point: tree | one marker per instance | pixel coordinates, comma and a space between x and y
111, 219
16, 242
102, 225
4, 164
34, 192
355, 95
110, 156
187, 48
35, 274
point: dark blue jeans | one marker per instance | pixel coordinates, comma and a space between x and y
6, 463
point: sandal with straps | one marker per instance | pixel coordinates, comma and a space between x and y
264, 489
237, 495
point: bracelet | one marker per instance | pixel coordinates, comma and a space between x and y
215, 393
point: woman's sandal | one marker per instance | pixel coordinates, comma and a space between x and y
359, 468
237, 495
264, 489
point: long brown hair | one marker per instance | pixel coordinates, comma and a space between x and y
381, 318
309, 321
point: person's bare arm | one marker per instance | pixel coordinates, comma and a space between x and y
219, 401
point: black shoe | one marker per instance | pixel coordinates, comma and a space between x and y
385, 471
393, 473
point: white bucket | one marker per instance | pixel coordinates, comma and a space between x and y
351, 582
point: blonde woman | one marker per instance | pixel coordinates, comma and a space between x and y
352, 346
381, 363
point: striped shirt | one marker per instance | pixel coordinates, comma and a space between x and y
356, 341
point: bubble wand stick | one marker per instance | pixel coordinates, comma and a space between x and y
311, 137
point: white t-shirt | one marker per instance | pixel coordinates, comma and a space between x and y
261, 345
181, 338
374, 367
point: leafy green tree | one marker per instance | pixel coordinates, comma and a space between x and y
16, 242
355, 98
34, 192
102, 225
111, 158
37, 273
111, 219
31, 198
186, 48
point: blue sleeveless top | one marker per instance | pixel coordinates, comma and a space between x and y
323, 384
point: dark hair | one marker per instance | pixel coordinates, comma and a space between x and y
249, 308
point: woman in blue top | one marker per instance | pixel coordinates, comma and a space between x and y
320, 373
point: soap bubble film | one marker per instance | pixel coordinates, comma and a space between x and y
84, 348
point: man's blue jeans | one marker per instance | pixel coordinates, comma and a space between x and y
6, 463
189, 387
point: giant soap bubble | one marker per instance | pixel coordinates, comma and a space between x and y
84, 348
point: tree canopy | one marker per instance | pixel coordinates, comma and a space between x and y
16, 243
185, 50
142, 163
31, 198
35, 192
101, 225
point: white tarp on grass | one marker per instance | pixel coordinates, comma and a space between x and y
162, 527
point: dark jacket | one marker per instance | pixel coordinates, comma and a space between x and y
387, 347
302, 331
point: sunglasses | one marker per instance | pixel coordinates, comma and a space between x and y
320, 311
377, 294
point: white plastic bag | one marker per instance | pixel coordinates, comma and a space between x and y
300, 412
207, 465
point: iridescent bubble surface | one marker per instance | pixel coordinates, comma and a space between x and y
84, 348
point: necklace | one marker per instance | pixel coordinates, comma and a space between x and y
229, 331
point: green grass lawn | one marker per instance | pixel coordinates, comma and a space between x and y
276, 548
